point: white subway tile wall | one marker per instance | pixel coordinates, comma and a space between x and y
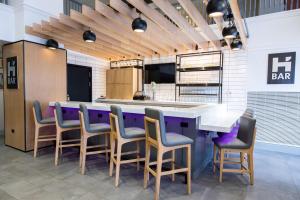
99, 68
234, 79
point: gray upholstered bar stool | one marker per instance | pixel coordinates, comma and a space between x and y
62, 126
243, 144
157, 137
91, 130
41, 122
121, 135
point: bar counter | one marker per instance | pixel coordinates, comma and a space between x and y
197, 121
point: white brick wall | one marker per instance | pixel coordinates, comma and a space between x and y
234, 80
99, 68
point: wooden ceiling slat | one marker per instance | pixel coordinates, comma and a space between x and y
198, 19
183, 24
153, 28
78, 34
44, 30
100, 26
238, 21
165, 24
123, 22
29, 30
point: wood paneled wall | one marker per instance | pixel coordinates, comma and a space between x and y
122, 83
41, 76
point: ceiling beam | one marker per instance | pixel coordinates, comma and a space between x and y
238, 21
46, 31
164, 23
29, 30
187, 28
154, 30
78, 34
196, 16
100, 26
118, 20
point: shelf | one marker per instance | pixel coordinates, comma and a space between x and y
195, 94
198, 84
194, 69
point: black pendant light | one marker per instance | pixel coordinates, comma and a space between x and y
52, 44
236, 45
139, 25
216, 8
89, 36
230, 31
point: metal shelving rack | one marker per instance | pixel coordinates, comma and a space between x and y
180, 69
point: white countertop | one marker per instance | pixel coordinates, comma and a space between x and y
214, 117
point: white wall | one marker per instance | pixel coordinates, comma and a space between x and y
273, 33
7, 27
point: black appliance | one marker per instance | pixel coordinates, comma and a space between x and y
139, 95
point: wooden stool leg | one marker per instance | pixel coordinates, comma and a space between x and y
242, 160
251, 167
112, 154
173, 164
138, 155
36, 138
84, 147
147, 161
215, 158
158, 173
106, 147
80, 155
118, 163
188, 161
221, 165
58, 136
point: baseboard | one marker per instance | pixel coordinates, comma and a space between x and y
288, 149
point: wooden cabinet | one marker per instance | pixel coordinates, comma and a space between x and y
122, 83
41, 76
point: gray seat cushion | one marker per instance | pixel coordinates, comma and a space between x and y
174, 139
99, 127
233, 143
50, 120
70, 124
134, 132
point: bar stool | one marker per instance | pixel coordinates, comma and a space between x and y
243, 144
157, 137
91, 130
41, 122
63, 126
123, 135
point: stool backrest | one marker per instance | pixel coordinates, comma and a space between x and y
84, 117
155, 128
37, 111
247, 130
117, 121
249, 113
58, 114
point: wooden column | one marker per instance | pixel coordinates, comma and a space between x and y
41, 76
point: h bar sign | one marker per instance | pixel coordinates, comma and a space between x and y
12, 73
281, 68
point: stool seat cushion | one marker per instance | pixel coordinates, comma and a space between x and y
230, 143
134, 132
70, 124
50, 120
99, 127
174, 139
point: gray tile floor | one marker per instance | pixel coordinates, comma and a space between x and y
277, 176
